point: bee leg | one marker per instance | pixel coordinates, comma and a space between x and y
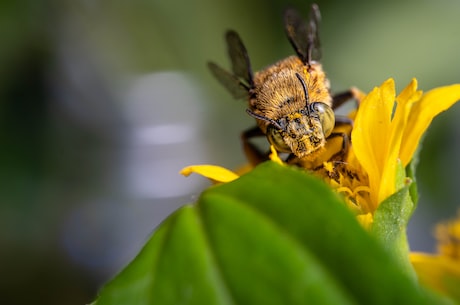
340, 155
343, 120
343, 128
292, 159
253, 153
341, 98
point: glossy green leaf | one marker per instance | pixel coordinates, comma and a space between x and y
273, 236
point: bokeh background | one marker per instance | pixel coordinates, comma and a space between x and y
103, 102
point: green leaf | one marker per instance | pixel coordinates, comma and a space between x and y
274, 236
174, 267
413, 190
390, 223
391, 219
410, 172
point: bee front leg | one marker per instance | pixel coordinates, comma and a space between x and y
252, 152
343, 121
341, 98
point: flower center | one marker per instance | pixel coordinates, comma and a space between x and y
349, 181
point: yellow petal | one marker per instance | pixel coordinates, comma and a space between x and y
366, 220
274, 155
243, 169
421, 115
213, 172
438, 272
370, 135
405, 100
409, 94
398, 124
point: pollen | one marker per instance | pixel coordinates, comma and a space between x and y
328, 167
293, 116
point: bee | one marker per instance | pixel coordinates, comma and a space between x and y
291, 99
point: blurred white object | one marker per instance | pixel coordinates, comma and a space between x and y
165, 113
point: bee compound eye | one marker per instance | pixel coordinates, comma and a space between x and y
326, 117
276, 139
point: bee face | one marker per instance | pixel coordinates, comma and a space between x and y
290, 99
303, 132
300, 134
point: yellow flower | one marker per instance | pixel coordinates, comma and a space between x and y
386, 133
442, 271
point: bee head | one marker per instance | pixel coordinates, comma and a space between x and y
302, 132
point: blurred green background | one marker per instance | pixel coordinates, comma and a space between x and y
103, 102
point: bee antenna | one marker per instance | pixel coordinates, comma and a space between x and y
305, 91
263, 118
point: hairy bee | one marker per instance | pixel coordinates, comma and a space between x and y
291, 99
